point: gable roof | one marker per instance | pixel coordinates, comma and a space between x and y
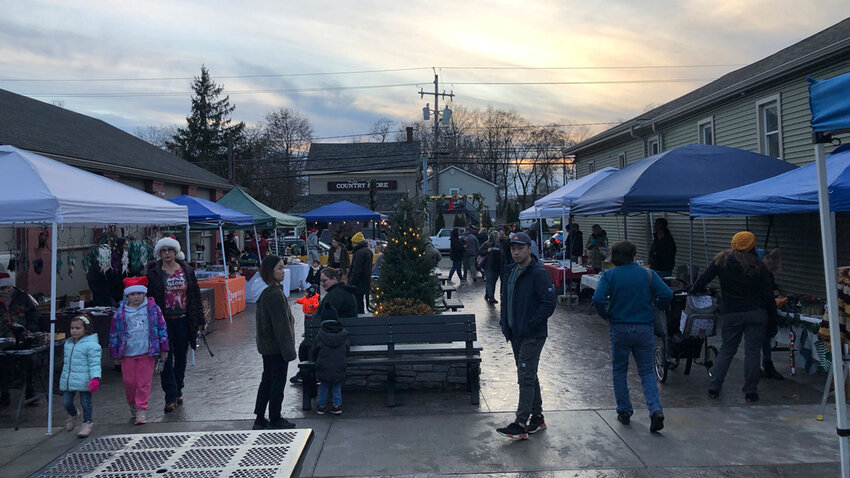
91, 144
360, 157
430, 176
821, 47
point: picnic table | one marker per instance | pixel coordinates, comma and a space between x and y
272, 453
447, 290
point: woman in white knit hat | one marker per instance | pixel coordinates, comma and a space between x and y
174, 287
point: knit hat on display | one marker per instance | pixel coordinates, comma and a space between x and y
744, 241
135, 284
171, 242
358, 238
5, 279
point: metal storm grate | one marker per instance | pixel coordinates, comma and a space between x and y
254, 454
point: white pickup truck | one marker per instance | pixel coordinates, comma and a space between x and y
441, 240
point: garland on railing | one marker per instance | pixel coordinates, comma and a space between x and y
476, 198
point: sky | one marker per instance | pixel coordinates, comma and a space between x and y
346, 64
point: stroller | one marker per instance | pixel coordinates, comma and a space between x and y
691, 319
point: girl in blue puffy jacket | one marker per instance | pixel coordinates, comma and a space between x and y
80, 373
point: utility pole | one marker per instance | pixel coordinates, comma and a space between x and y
437, 95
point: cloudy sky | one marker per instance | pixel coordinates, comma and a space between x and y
345, 64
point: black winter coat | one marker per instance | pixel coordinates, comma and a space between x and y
360, 274
492, 258
194, 308
329, 351
662, 253
456, 249
342, 298
533, 302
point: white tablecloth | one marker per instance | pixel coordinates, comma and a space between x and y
590, 281
298, 276
256, 286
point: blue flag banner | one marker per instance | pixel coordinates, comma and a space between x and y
830, 103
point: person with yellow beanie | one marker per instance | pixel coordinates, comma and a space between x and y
747, 305
360, 274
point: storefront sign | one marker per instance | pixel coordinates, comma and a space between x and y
358, 185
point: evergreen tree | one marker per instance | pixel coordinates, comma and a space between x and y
459, 221
209, 129
512, 214
441, 221
408, 270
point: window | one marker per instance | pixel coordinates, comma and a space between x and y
621, 160
706, 131
653, 146
769, 127
454, 191
591, 167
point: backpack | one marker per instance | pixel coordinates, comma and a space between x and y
699, 319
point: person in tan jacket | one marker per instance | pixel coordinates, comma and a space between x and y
276, 343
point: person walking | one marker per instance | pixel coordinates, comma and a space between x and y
528, 300
492, 266
747, 305
625, 297
329, 353
138, 337
173, 286
312, 246
470, 249
456, 254
360, 275
276, 343
662, 252
80, 373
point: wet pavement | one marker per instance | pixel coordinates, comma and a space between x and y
441, 433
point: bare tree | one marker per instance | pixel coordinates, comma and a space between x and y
159, 136
381, 129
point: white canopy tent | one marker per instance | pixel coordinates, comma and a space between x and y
40, 190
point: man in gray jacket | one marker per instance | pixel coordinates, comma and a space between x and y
470, 249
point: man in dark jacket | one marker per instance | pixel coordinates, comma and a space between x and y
470, 250
528, 299
662, 253
360, 274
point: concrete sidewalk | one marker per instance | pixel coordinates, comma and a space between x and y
772, 441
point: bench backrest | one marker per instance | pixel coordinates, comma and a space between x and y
443, 328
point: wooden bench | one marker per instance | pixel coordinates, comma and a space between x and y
403, 340
447, 289
451, 304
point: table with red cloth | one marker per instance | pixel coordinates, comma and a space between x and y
236, 286
556, 272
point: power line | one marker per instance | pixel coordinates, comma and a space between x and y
595, 82
638, 67
172, 78
553, 125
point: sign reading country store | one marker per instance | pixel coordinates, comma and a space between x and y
358, 185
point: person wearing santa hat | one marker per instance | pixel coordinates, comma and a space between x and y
138, 338
173, 286
16, 307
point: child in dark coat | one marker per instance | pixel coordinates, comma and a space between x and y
329, 351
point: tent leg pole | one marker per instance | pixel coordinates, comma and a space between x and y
830, 273
53, 273
188, 245
257, 241
540, 234
705, 242
691, 250
226, 274
625, 227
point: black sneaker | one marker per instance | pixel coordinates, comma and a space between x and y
624, 418
751, 397
535, 424
656, 421
260, 423
296, 378
281, 424
514, 431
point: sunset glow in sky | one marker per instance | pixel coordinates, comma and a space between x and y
631, 55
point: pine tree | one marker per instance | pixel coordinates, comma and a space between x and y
408, 270
209, 129
441, 221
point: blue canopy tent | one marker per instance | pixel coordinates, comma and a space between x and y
341, 211
789, 193
209, 213
829, 101
667, 181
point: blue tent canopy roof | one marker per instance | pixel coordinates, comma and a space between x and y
667, 181
790, 193
201, 210
342, 211
828, 101
566, 194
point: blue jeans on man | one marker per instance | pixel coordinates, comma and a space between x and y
638, 340
85, 402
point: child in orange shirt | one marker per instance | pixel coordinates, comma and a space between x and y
309, 303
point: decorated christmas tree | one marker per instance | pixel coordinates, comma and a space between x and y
407, 285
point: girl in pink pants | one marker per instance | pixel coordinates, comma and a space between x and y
137, 338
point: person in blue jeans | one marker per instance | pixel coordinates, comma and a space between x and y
329, 352
624, 297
